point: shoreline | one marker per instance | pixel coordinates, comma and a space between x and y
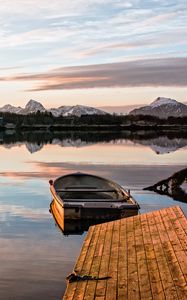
88, 127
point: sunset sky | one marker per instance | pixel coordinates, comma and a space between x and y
92, 52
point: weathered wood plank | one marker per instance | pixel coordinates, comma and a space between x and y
180, 215
180, 231
72, 287
175, 241
154, 275
81, 285
104, 266
111, 289
133, 291
86, 245
165, 274
94, 271
122, 262
143, 274
170, 254
178, 265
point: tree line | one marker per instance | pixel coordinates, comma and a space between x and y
46, 118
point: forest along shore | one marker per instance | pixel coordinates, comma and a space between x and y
39, 121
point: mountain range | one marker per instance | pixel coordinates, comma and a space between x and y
161, 107
34, 106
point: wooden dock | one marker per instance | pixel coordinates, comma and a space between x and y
145, 255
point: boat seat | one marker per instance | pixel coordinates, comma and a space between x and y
80, 187
85, 190
95, 200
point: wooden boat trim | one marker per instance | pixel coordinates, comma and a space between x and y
54, 193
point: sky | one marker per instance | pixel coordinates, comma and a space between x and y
92, 52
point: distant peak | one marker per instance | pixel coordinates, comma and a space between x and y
163, 101
8, 106
32, 102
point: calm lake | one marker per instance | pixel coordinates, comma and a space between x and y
35, 256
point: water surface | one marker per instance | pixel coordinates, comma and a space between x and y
35, 256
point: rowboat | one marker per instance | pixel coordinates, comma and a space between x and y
88, 197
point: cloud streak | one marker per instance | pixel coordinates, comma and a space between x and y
139, 73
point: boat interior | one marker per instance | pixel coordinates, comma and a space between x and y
89, 187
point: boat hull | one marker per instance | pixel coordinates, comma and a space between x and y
81, 212
76, 220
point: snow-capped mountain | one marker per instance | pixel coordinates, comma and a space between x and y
162, 108
163, 101
79, 110
60, 111
34, 106
76, 110
31, 107
10, 108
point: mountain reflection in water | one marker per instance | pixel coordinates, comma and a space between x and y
161, 143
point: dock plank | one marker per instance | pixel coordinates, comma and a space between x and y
122, 262
94, 271
180, 231
104, 266
180, 215
142, 267
132, 279
145, 255
174, 266
165, 274
73, 287
81, 285
179, 264
152, 264
111, 288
